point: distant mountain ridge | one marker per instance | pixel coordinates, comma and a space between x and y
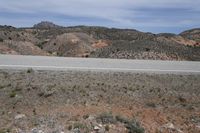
46, 25
47, 38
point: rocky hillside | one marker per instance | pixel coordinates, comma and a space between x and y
47, 38
193, 34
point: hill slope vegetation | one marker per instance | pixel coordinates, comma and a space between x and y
49, 39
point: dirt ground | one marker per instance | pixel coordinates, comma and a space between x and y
87, 102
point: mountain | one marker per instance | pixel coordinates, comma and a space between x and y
49, 39
46, 25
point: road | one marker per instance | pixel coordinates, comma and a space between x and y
92, 64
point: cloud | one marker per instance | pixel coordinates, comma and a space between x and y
112, 13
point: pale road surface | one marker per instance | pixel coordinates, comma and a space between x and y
92, 64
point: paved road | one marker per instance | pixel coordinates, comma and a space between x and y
65, 63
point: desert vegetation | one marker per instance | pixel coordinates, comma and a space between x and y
49, 39
56, 101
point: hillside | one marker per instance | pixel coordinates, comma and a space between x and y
50, 39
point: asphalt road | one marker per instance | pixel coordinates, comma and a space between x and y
92, 64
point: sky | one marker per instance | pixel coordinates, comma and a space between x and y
155, 16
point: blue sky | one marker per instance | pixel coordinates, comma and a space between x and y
145, 15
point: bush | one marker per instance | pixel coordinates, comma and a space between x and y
1, 39
70, 127
13, 94
86, 116
132, 125
106, 118
4, 130
79, 126
30, 70
107, 128
121, 119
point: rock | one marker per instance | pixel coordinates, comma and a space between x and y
76, 130
170, 126
20, 116
198, 126
35, 130
96, 128
99, 128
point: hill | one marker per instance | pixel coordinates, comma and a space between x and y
50, 39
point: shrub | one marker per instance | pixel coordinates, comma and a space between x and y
147, 49
1, 86
132, 125
9, 38
70, 127
4, 130
1, 39
79, 126
121, 119
152, 105
107, 128
106, 118
30, 70
86, 116
13, 94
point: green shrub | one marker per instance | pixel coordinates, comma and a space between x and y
86, 116
70, 127
13, 94
1, 39
107, 128
1, 86
134, 127
79, 126
4, 130
121, 119
106, 118
152, 105
30, 70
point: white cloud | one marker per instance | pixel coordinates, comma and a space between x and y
121, 12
